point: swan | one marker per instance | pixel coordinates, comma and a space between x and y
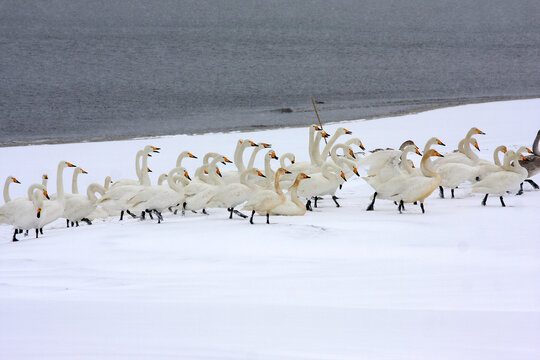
160, 197
54, 209
292, 206
144, 153
391, 172
324, 183
381, 159
501, 181
326, 150
10, 179
464, 153
24, 213
532, 164
287, 156
182, 156
79, 207
485, 167
263, 201
231, 195
410, 189
201, 190
314, 154
401, 147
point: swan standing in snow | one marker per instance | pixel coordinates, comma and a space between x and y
532, 164
323, 183
263, 201
7, 210
10, 179
499, 182
292, 206
24, 213
79, 207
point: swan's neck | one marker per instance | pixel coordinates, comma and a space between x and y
145, 178
328, 146
496, 158
427, 167
171, 179
7, 198
239, 156
107, 183
32, 188
138, 167
161, 179
60, 182
74, 182
276, 184
467, 150
288, 156
429, 144
405, 162
311, 144
535, 148
253, 156
293, 191
44, 182
315, 152
92, 190
207, 156
341, 162
181, 157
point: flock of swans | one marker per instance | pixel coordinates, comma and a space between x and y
389, 172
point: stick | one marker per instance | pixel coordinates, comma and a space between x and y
316, 112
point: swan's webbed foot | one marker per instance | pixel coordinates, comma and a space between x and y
317, 198
502, 201
533, 184
371, 205
422, 207
230, 210
243, 216
87, 221
485, 199
441, 192
25, 232
15, 235
520, 192
251, 218
308, 205
334, 197
184, 208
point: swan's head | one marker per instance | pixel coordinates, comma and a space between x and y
344, 131
67, 164
225, 161
282, 171
257, 172
351, 153
191, 155
432, 152
247, 143
303, 176
439, 142
317, 127
324, 134
45, 177
265, 145
272, 155
417, 150
148, 169
405, 144
504, 149
475, 144
15, 180
81, 170
477, 131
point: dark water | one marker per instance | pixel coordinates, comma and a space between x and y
73, 69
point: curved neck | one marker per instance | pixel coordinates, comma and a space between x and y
239, 155
535, 148
496, 158
172, 176
180, 158
341, 161
293, 191
244, 178
253, 156
331, 142
207, 156
7, 198
288, 156
311, 143
276, 184
429, 144
315, 151
405, 162
74, 183
32, 188
44, 181
60, 181
92, 190
268, 172
161, 179
426, 167
467, 150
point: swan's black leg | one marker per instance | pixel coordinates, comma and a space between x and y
422, 207
441, 192
159, 216
204, 212
267, 218
143, 215
230, 212
308, 205
533, 184
170, 209
37, 233
315, 202
485, 199
131, 214
334, 197
502, 201
452, 191
121, 215
41, 231
184, 208
250, 219
149, 214
67, 223
400, 206
72, 223
25, 233
520, 192
175, 211
77, 223
243, 216
15, 235
370, 207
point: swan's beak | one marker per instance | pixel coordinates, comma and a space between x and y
287, 171
149, 155
343, 176
480, 132
192, 156
418, 152
266, 146
505, 150
348, 132
273, 155
355, 170
218, 172
317, 128
84, 172
70, 164
187, 175
155, 149
148, 169
39, 213
46, 194
440, 142
362, 146
304, 176
325, 134
476, 146
352, 154
529, 151
437, 154
206, 172
412, 165
260, 174
16, 181
45, 177
292, 161
523, 158
252, 143
227, 160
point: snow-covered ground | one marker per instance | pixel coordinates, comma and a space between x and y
459, 282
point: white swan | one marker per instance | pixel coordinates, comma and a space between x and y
326, 150
182, 156
409, 189
497, 183
384, 160
10, 179
263, 201
323, 183
54, 209
230, 196
464, 152
79, 207
292, 206
24, 213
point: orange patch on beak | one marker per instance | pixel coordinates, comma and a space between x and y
187, 175
362, 146
260, 174
148, 169
293, 161
227, 160
84, 172
205, 171
325, 134
355, 171
440, 142
343, 176
45, 177
529, 151
266, 146
348, 132
352, 154
218, 172
192, 156
38, 212
505, 150
16, 181
70, 164
418, 152
476, 145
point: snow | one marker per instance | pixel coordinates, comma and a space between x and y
459, 282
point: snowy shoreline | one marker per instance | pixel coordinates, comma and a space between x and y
459, 282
